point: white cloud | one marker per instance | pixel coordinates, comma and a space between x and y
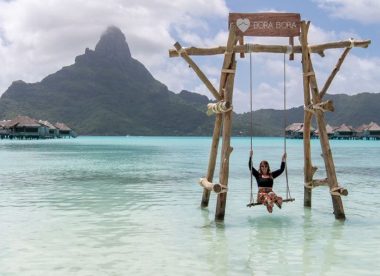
39, 37
364, 11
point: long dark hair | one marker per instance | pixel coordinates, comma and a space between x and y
265, 163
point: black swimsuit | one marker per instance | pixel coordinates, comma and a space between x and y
265, 182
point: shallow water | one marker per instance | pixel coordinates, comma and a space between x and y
130, 206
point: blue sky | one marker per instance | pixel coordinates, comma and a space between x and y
38, 37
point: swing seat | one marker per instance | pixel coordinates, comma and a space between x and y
259, 203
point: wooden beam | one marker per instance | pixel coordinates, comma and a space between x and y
227, 89
241, 42
291, 43
279, 49
216, 187
323, 139
308, 168
198, 71
317, 182
323, 106
334, 72
212, 158
228, 58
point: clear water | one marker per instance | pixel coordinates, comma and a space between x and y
130, 206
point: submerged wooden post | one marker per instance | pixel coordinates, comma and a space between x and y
226, 89
308, 174
323, 137
212, 158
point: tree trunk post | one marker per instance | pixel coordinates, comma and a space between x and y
226, 90
212, 159
323, 137
308, 175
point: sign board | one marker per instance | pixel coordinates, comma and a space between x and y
266, 24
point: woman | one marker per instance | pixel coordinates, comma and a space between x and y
264, 178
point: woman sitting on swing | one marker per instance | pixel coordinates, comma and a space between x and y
264, 178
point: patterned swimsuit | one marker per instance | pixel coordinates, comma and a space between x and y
265, 194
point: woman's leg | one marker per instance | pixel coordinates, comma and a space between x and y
276, 199
265, 200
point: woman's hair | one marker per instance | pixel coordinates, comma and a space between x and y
264, 163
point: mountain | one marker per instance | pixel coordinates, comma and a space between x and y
107, 92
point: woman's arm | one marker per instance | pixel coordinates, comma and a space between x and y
251, 168
282, 168
279, 171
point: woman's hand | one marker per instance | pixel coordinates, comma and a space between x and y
284, 157
250, 153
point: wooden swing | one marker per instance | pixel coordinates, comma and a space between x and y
288, 196
277, 25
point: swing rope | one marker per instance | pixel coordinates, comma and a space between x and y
285, 123
251, 119
288, 195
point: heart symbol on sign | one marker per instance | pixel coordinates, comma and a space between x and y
243, 24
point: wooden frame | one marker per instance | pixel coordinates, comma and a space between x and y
312, 100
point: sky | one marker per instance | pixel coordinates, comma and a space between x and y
39, 37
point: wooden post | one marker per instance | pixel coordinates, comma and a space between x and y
308, 174
212, 158
226, 90
323, 138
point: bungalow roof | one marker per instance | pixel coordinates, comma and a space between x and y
23, 121
47, 123
62, 126
294, 127
329, 129
373, 127
362, 128
344, 128
3, 123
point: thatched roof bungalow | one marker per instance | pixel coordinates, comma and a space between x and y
296, 130
25, 127
344, 132
372, 131
3, 130
52, 130
329, 129
64, 130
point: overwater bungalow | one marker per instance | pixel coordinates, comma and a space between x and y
296, 131
52, 130
329, 129
372, 131
64, 130
3, 130
344, 132
24, 127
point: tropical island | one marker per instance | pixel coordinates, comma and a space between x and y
108, 92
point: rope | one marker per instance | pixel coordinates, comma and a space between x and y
285, 123
251, 119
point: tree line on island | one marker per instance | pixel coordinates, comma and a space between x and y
107, 92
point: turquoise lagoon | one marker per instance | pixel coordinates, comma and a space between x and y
130, 206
